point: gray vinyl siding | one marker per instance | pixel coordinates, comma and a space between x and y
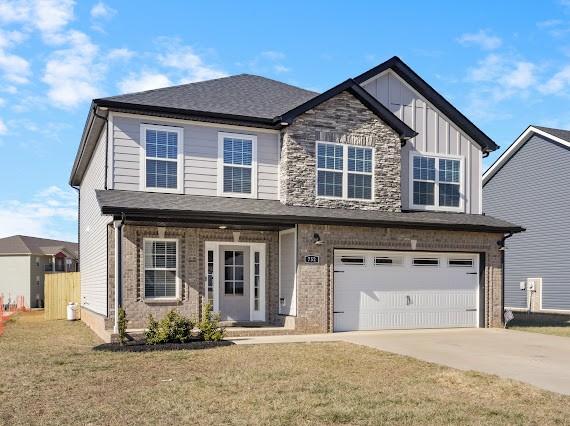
15, 278
287, 271
532, 190
436, 135
200, 157
93, 235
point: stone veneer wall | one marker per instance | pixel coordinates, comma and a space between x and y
342, 119
314, 281
190, 268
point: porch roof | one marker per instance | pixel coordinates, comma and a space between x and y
207, 209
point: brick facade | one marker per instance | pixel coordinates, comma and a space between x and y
191, 269
315, 285
342, 119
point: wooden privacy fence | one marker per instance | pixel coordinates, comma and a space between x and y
60, 289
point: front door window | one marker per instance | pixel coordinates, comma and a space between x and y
234, 272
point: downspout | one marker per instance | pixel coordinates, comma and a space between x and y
118, 226
501, 244
106, 119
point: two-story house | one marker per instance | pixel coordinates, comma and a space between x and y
355, 209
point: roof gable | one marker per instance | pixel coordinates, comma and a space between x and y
429, 93
363, 96
548, 134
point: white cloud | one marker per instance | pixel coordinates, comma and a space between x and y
14, 68
52, 16
48, 214
72, 73
9, 39
101, 10
183, 58
273, 55
146, 80
281, 68
505, 72
3, 127
557, 83
482, 38
122, 54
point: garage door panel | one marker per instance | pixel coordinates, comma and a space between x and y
368, 296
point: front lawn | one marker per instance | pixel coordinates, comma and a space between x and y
51, 375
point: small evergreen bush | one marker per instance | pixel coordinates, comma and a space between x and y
210, 324
173, 328
122, 322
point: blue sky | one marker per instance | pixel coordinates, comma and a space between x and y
504, 64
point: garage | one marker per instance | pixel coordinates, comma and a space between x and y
376, 290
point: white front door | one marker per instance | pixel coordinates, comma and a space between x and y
398, 290
235, 279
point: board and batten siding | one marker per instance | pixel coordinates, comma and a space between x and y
200, 157
436, 135
93, 234
532, 190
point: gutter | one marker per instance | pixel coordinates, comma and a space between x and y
501, 244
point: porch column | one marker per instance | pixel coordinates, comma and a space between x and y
118, 226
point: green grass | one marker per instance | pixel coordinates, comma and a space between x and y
556, 327
50, 374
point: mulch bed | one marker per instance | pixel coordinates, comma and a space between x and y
140, 346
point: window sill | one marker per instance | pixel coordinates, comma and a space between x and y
163, 190
162, 301
437, 209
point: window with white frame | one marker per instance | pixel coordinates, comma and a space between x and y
344, 171
160, 269
237, 164
163, 156
359, 173
436, 182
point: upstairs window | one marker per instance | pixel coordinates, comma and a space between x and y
436, 183
344, 171
237, 157
329, 170
163, 157
360, 173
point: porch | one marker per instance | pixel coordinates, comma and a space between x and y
171, 266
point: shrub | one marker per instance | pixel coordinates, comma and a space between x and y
173, 328
122, 322
210, 324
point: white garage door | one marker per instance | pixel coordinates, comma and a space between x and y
395, 290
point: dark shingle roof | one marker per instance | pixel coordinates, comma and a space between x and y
22, 244
559, 133
241, 95
237, 210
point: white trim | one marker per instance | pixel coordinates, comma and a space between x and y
253, 167
345, 172
178, 281
260, 247
179, 158
293, 305
169, 121
515, 146
436, 182
111, 152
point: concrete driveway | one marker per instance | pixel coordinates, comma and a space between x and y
538, 359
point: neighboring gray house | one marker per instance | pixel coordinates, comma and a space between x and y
355, 209
530, 184
24, 262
